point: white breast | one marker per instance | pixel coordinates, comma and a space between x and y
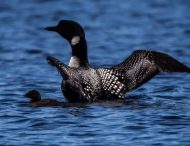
74, 62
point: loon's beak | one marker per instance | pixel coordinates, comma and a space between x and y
52, 28
62, 68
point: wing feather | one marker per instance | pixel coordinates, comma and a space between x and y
142, 65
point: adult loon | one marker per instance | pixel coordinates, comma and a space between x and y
82, 83
36, 100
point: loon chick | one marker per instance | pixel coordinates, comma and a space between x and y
36, 100
81, 83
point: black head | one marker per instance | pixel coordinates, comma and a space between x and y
34, 95
67, 29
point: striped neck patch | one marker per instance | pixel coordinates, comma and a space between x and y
75, 40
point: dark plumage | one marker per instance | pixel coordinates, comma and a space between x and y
82, 83
74, 33
36, 100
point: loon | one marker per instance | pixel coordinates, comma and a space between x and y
83, 83
36, 100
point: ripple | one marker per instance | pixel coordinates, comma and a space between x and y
33, 51
156, 114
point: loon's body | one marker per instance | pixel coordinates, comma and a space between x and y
82, 83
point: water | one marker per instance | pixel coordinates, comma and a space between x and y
156, 114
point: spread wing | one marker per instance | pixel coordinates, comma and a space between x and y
142, 65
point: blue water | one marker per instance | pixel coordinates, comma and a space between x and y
156, 114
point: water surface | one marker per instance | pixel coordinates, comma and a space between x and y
156, 114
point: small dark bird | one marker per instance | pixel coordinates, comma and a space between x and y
36, 100
82, 83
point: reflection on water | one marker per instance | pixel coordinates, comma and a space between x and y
156, 114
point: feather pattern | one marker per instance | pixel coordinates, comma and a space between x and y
142, 65
82, 83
